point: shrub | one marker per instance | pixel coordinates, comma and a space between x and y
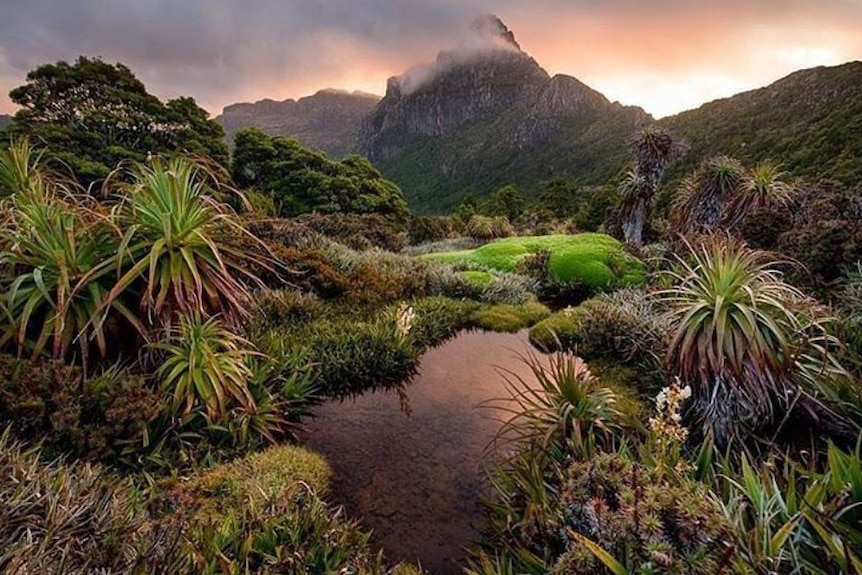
76, 519
447, 245
486, 228
170, 224
438, 319
565, 412
271, 308
93, 418
346, 357
259, 204
625, 326
424, 229
642, 520
52, 246
205, 365
225, 489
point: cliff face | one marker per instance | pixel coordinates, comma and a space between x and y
486, 114
329, 120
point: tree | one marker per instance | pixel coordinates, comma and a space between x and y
303, 180
91, 115
508, 201
701, 199
654, 149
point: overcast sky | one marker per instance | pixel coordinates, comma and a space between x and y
664, 55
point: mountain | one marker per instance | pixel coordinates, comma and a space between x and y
328, 120
486, 114
4, 121
810, 121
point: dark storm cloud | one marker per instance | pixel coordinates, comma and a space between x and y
221, 51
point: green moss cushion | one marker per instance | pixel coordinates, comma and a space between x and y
596, 260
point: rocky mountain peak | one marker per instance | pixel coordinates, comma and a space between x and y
491, 28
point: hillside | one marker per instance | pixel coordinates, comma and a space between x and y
811, 121
328, 120
4, 121
486, 114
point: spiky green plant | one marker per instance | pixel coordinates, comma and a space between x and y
172, 227
749, 344
76, 519
763, 186
701, 198
55, 285
563, 412
205, 364
19, 169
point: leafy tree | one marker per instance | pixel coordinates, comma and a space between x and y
303, 180
91, 115
508, 201
654, 149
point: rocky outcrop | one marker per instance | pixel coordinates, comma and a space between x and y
485, 114
329, 120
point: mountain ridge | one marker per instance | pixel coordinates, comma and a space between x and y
329, 119
486, 114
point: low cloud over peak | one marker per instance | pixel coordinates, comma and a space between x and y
665, 55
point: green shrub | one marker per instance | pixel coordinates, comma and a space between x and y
93, 418
625, 326
480, 284
438, 319
295, 534
76, 519
225, 489
509, 318
646, 522
271, 308
346, 357
486, 228
263, 514
259, 204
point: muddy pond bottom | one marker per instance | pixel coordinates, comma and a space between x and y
416, 480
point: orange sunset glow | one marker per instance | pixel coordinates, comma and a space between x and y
664, 56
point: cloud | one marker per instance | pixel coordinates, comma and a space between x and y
223, 51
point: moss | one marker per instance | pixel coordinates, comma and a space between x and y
560, 331
478, 277
595, 260
626, 383
509, 318
226, 489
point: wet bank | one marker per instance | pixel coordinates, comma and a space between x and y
416, 479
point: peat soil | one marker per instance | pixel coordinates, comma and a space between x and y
416, 478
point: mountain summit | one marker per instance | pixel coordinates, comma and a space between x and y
485, 114
493, 29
